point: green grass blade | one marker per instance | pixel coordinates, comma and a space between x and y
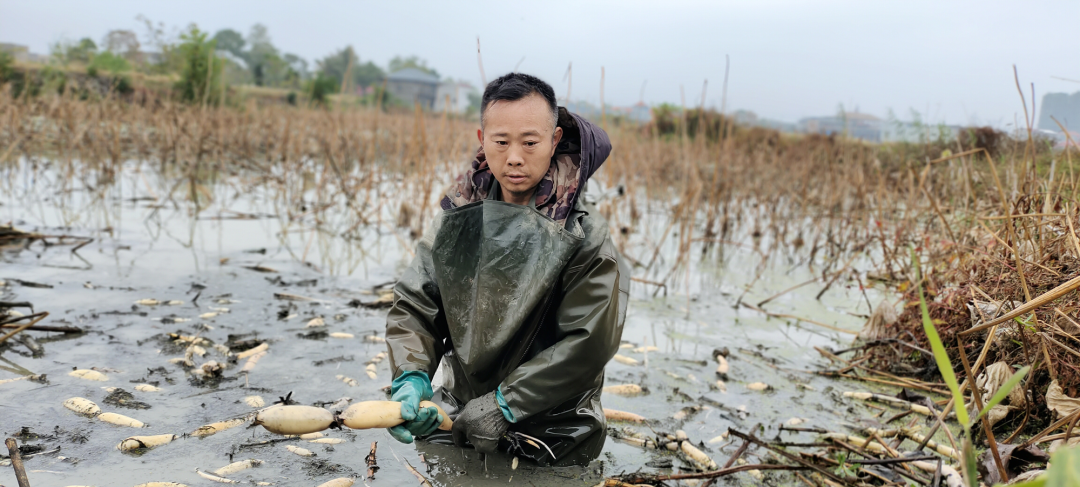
1004, 391
1064, 468
936, 346
1039, 481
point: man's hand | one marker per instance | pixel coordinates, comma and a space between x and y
409, 389
481, 423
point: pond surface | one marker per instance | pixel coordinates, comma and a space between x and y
145, 247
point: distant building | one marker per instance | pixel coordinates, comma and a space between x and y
1063, 107
750, 119
918, 132
22, 53
853, 124
640, 112
457, 94
412, 85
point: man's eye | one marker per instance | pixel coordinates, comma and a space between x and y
530, 144
501, 142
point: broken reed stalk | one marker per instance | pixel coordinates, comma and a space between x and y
795, 458
16, 462
1043, 299
976, 395
57, 329
798, 318
372, 464
37, 317
419, 476
636, 479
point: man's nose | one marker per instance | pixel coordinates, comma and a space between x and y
515, 157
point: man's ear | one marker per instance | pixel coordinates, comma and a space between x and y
480, 136
557, 136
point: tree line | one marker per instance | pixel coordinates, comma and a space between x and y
204, 64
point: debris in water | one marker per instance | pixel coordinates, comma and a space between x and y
219, 426
121, 420
348, 380
328, 441
722, 367
315, 322
252, 361
262, 347
372, 464
294, 297
89, 375
137, 442
338, 334
622, 359
259, 268
299, 451
124, 399
82, 405
254, 401
215, 478
615, 415
624, 389
757, 386
147, 388
35, 378
237, 467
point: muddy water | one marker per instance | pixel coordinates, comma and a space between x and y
146, 249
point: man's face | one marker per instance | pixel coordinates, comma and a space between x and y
519, 138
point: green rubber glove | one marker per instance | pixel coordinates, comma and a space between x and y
409, 389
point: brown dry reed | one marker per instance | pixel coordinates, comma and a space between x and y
993, 218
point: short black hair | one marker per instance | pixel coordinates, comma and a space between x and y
515, 86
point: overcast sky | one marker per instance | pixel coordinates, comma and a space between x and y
949, 60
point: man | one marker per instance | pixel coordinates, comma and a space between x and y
516, 289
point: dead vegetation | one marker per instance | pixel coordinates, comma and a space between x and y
993, 218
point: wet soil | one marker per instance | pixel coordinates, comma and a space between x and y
241, 269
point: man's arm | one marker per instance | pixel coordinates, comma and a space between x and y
589, 320
415, 325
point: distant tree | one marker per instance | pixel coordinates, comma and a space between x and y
230, 41
296, 63
122, 42
108, 62
368, 74
335, 65
164, 45
83, 51
200, 78
399, 63
320, 88
7, 66
264, 61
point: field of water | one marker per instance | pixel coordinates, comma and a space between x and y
240, 270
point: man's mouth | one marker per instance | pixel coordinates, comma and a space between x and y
516, 178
